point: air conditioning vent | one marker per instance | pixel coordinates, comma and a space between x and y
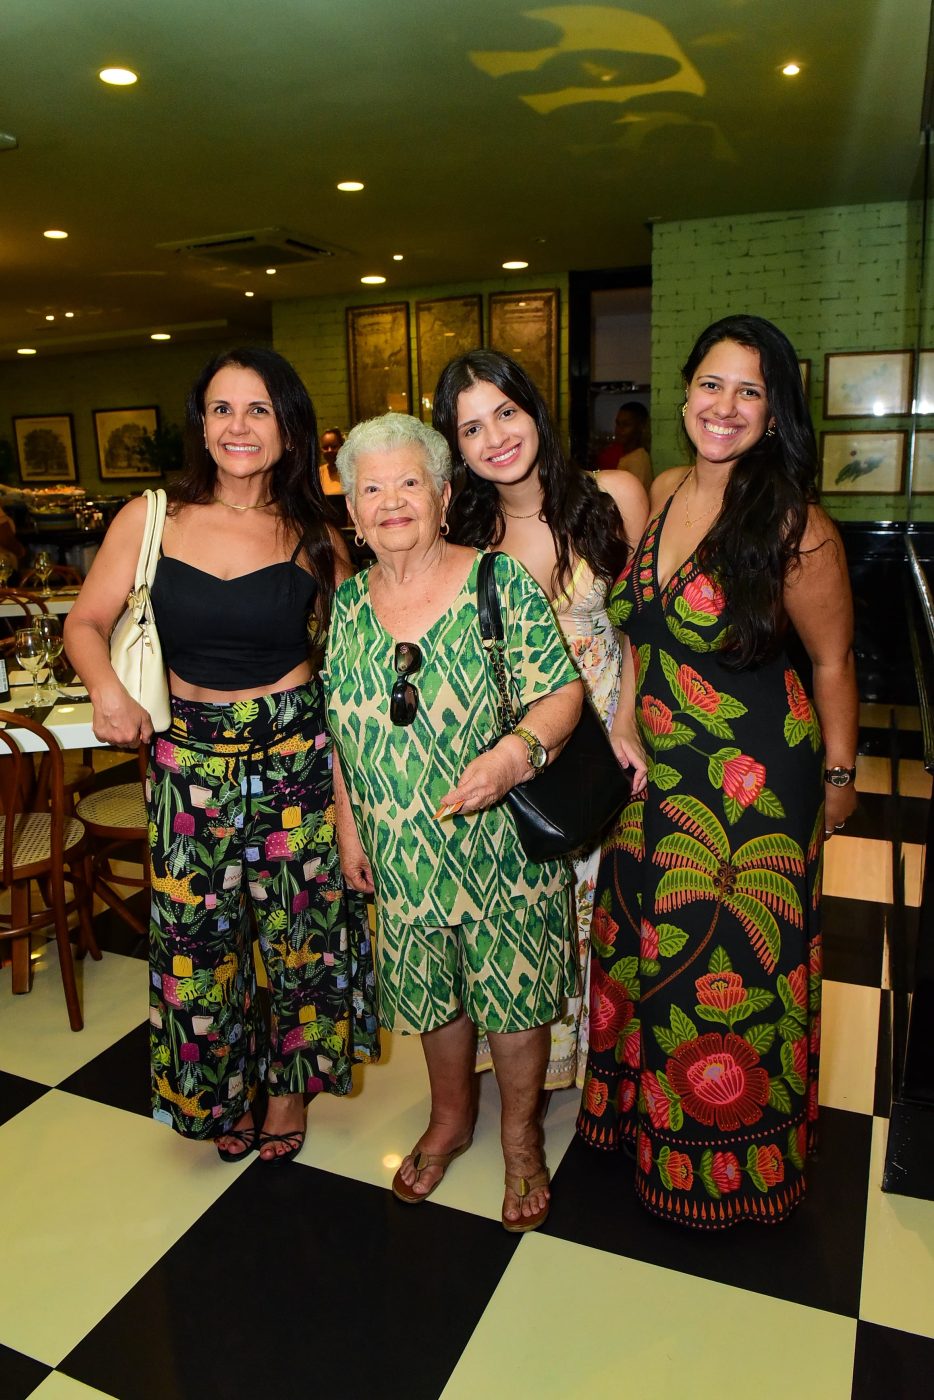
254, 248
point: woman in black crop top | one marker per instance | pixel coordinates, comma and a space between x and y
239, 788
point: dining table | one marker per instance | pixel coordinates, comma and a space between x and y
68, 718
58, 601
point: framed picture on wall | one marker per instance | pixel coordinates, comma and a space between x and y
45, 446
926, 381
805, 367
379, 367
445, 327
862, 464
867, 384
922, 477
524, 325
123, 438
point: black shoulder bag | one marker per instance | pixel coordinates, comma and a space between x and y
568, 806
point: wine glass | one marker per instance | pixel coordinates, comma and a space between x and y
29, 649
43, 566
50, 629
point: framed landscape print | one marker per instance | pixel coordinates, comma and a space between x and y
444, 328
926, 382
524, 325
867, 384
860, 464
922, 476
123, 436
380, 373
805, 367
46, 449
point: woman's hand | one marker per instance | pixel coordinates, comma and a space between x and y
355, 866
486, 780
839, 805
628, 749
118, 719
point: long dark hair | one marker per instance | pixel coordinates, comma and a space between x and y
583, 520
756, 538
294, 482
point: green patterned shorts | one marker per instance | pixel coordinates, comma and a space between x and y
509, 972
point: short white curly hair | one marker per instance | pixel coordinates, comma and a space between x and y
386, 434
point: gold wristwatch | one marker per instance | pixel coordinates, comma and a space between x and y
538, 754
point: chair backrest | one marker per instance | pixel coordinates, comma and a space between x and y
24, 789
63, 572
29, 603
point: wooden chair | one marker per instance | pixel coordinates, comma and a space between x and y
116, 816
64, 573
28, 608
40, 841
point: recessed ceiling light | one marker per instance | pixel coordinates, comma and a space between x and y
55, 233
397, 257
160, 335
373, 281
25, 350
791, 70
249, 294
271, 271
69, 315
50, 317
118, 77
515, 266
350, 186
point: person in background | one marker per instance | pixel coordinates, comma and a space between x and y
332, 439
515, 491
709, 894
239, 789
627, 451
470, 933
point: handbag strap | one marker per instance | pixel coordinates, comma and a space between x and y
152, 538
494, 642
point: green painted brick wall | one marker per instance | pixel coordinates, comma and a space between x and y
833, 279
311, 333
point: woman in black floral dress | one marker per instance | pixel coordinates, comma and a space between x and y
705, 998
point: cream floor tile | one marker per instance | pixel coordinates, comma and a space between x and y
59, 1387
681, 1336
35, 1039
366, 1135
914, 873
876, 716
873, 774
913, 778
898, 1259
849, 1034
856, 867
92, 1198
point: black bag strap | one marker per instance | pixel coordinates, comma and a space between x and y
494, 641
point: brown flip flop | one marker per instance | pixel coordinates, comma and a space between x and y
421, 1161
524, 1186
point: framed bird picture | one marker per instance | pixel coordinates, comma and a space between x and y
862, 463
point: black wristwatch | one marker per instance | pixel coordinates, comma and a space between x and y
538, 754
840, 777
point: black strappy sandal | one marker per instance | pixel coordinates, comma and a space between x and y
247, 1136
294, 1140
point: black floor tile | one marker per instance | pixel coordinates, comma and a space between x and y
115, 936
381, 1297
890, 1364
878, 742
118, 1076
876, 817
813, 1258
19, 1375
17, 1094
854, 932
882, 1091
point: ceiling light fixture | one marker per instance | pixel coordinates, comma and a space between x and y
271, 271
25, 350
160, 335
118, 77
350, 186
50, 317
69, 315
397, 257
55, 233
791, 70
515, 266
374, 280
249, 294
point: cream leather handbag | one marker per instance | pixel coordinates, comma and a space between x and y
135, 651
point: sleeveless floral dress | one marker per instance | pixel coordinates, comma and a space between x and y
705, 942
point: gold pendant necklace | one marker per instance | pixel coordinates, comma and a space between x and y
688, 520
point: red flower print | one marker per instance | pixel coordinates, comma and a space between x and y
703, 596
726, 1173
656, 1101
720, 989
632, 1049
798, 982
680, 1171
798, 703
597, 1097
816, 957
815, 1036
604, 926
719, 1079
743, 779
611, 1008
802, 1139
657, 716
698, 691
648, 941
636, 662
626, 1096
644, 1153
799, 1054
770, 1165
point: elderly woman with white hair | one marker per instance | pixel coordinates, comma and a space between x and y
470, 932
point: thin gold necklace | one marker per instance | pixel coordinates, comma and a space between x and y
513, 516
688, 520
230, 505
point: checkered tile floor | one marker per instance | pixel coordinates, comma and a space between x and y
137, 1266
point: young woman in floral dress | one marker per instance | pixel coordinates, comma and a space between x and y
705, 976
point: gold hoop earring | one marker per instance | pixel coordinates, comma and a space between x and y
359, 540
444, 528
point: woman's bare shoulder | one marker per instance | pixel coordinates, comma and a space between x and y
665, 485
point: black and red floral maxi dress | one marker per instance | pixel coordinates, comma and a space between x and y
706, 955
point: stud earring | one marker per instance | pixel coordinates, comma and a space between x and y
770, 430
684, 409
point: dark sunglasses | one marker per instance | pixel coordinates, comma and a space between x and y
403, 700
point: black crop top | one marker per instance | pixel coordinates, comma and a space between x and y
232, 634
